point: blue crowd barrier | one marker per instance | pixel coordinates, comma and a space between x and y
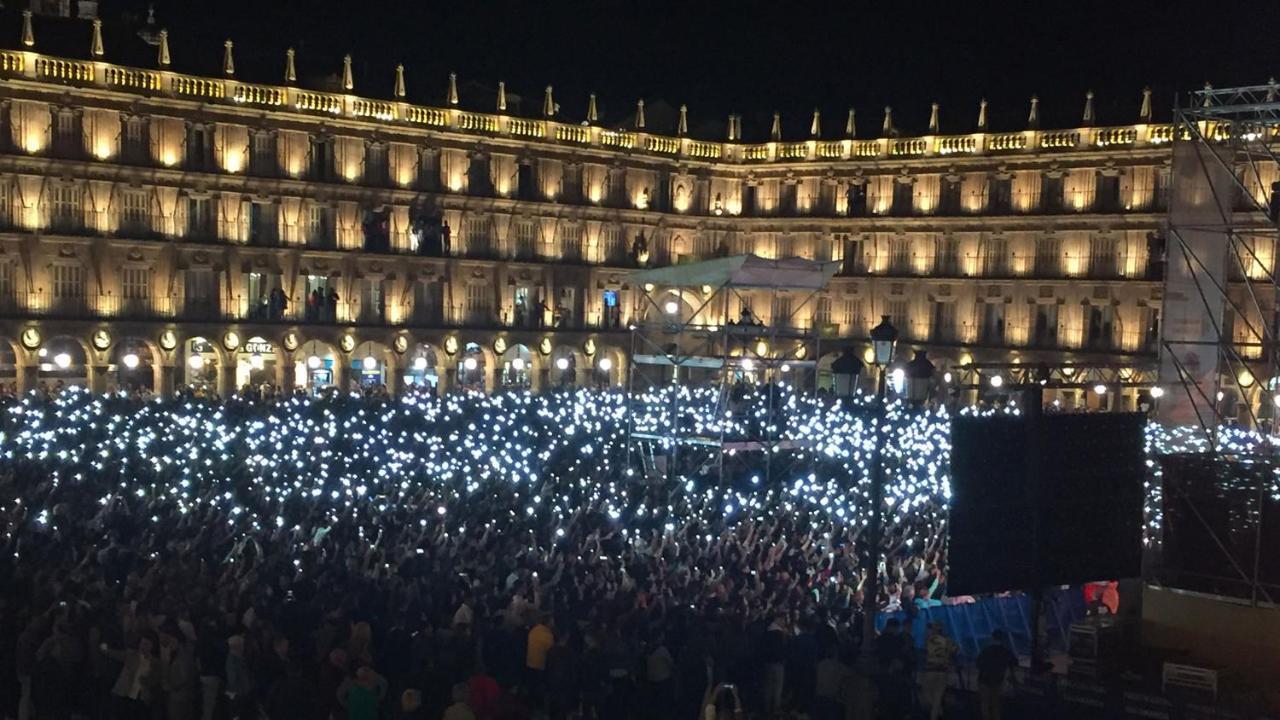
971, 625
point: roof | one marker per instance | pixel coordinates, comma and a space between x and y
743, 271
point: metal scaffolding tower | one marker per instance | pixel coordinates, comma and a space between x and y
1218, 357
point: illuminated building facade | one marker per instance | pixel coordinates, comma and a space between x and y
160, 228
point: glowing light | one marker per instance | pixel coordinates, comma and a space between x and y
946, 377
562, 363
606, 364
996, 381
370, 363
420, 363
470, 363
62, 360
1157, 392
1100, 389
130, 361
518, 364
313, 362
196, 361
672, 307
256, 362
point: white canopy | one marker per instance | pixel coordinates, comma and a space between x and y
743, 271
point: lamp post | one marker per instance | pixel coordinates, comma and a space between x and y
883, 339
919, 378
844, 373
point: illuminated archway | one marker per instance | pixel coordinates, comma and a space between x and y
315, 366
257, 364
517, 368
422, 368
201, 361
63, 363
471, 367
133, 361
372, 364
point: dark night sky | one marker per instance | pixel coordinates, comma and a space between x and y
754, 57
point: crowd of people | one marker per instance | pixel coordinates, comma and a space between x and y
461, 557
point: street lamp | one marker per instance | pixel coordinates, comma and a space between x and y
919, 377
883, 338
844, 373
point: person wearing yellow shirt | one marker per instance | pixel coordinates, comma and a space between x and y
541, 640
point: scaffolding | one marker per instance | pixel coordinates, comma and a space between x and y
698, 332
1218, 334
1218, 352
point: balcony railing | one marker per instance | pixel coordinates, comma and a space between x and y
149, 83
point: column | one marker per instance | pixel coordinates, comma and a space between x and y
98, 379
164, 376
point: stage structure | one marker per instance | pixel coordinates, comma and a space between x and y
1218, 349
1119, 387
702, 328
1218, 356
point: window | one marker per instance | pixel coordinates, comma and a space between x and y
320, 226
1000, 195
1102, 257
526, 240
704, 246
942, 322
137, 146
65, 207
995, 256
782, 316
68, 288
199, 147
1107, 198
947, 255
1048, 262
787, 205
949, 197
8, 291
896, 309
1051, 194
428, 303
856, 201
750, 200
373, 306
201, 218
900, 255
262, 154
264, 228
571, 241
479, 303
1045, 332
321, 162
854, 261
201, 297
992, 329
67, 140
479, 243
822, 311
852, 317
1150, 318
614, 247
1100, 328
376, 167
903, 202
6, 203
134, 215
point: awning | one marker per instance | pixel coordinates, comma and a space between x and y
743, 271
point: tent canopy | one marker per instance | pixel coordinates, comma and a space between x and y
743, 271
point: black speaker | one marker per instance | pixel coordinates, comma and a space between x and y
1051, 500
